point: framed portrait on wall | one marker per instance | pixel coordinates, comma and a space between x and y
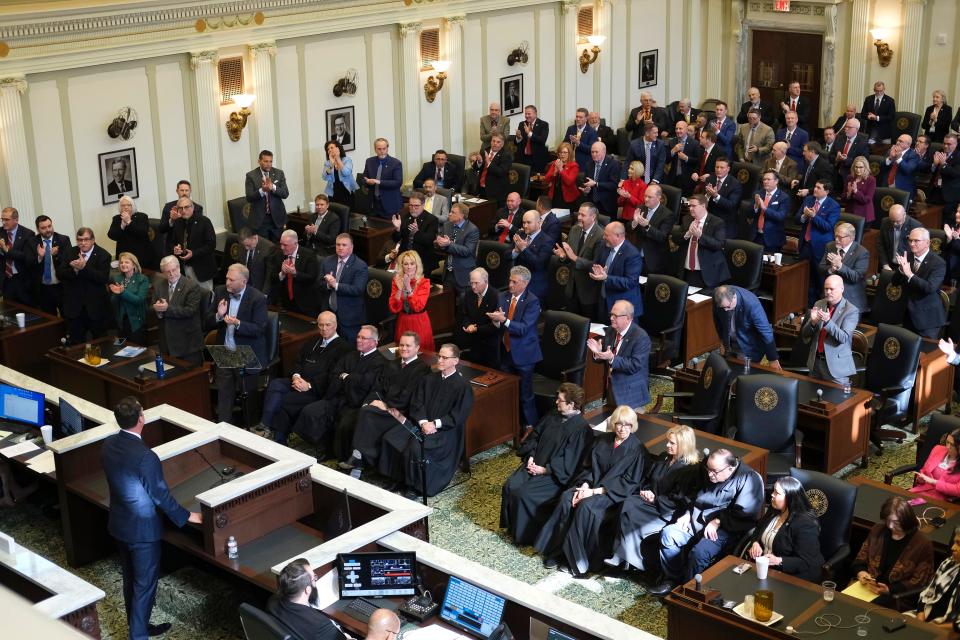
340, 122
118, 175
648, 68
511, 94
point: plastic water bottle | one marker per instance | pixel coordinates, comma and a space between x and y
746, 364
159, 363
232, 551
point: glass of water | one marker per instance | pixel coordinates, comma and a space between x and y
846, 388
829, 589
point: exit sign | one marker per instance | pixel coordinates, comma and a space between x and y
781, 5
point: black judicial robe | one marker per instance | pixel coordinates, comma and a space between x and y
448, 400
314, 365
639, 518
575, 532
395, 388
558, 444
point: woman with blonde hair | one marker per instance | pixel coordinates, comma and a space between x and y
667, 479
631, 192
936, 119
129, 300
130, 229
572, 534
561, 178
409, 292
858, 193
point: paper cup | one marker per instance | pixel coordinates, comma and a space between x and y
21, 320
47, 432
763, 565
778, 257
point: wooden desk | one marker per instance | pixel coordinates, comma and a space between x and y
482, 215
933, 388
183, 387
699, 333
871, 242
789, 284
370, 237
441, 309
23, 349
928, 215
834, 437
295, 329
797, 600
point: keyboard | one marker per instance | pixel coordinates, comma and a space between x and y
361, 609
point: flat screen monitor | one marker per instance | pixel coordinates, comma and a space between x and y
71, 421
21, 405
542, 631
471, 608
377, 575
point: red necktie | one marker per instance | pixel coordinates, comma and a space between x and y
290, 280
506, 334
692, 262
528, 148
763, 210
505, 232
892, 175
793, 104
483, 174
823, 334
846, 147
806, 235
703, 161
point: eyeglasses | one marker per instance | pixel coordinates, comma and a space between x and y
623, 424
619, 315
714, 474
440, 357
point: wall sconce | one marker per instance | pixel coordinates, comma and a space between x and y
433, 85
585, 59
347, 84
238, 119
884, 52
519, 54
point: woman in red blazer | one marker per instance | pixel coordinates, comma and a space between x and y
940, 476
858, 191
631, 191
563, 172
409, 292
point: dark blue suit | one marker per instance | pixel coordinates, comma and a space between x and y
904, 178
604, 194
821, 233
137, 490
350, 300
587, 138
629, 369
391, 179
524, 352
536, 257
551, 227
774, 235
751, 329
658, 158
725, 135
623, 277
795, 150
726, 204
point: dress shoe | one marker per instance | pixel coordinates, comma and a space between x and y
550, 563
154, 630
661, 589
613, 561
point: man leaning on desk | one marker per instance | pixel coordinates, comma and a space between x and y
137, 490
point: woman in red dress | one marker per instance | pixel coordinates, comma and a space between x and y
561, 179
408, 299
631, 191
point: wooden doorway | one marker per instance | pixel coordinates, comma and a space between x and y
779, 58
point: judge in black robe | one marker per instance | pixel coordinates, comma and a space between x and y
385, 406
551, 457
616, 471
439, 411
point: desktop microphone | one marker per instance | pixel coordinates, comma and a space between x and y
226, 471
699, 579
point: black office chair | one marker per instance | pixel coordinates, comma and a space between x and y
527, 205
766, 416
749, 177
906, 122
795, 357
833, 501
362, 196
890, 375
157, 239
260, 625
519, 178
238, 212
938, 240
876, 161
886, 197
745, 261
858, 223
564, 343
670, 197
343, 212
938, 429
708, 401
497, 259
664, 309
889, 302
446, 193
623, 143
558, 275
231, 254
460, 162
378, 302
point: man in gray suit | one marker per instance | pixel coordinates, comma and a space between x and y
850, 260
458, 239
434, 202
829, 327
493, 123
177, 301
582, 292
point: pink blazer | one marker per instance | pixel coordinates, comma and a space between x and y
948, 480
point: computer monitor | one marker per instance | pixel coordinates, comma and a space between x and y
471, 608
71, 422
542, 631
21, 405
377, 575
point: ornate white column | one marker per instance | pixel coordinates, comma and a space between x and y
412, 93
453, 86
261, 61
910, 47
859, 51
13, 145
713, 82
211, 131
827, 90
569, 68
602, 10
742, 68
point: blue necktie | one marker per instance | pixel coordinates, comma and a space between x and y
48, 264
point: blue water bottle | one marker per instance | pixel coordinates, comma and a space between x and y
159, 363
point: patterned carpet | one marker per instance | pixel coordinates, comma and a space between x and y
203, 605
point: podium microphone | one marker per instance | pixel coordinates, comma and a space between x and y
221, 473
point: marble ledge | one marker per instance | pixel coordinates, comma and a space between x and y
177, 416
87, 409
250, 482
261, 446
189, 442
542, 602
70, 592
360, 490
88, 436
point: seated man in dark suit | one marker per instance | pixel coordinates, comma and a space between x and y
850, 260
921, 274
294, 604
771, 206
533, 250
292, 272
345, 277
508, 221
240, 315
701, 237
84, 273
894, 230
254, 254
138, 493
625, 349
742, 325
475, 331
416, 230
321, 234
446, 174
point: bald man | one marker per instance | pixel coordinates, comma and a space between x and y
617, 267
829, 329
899, 166
383, 625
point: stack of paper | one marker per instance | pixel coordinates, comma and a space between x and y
19, 449
698, 297
43, 463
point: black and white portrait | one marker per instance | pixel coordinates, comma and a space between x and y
340, 127
648, 68
511, 94
118, 175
